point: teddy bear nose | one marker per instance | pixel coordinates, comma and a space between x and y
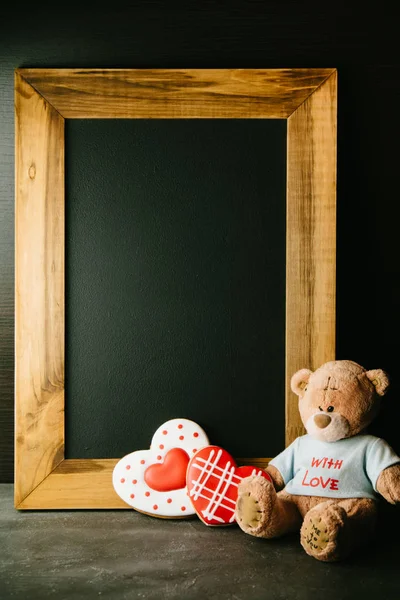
322, 421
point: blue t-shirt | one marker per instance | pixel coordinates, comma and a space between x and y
348, 468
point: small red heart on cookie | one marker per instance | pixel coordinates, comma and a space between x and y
169, 475
212, 480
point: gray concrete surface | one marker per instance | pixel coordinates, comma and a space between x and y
124, 554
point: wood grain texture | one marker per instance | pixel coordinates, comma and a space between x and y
85, 483
261, 463
39, 289
76, 483
180, 93
308, 97
311, 240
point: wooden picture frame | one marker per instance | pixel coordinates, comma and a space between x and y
44, 98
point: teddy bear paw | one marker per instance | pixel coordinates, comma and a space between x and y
322, 532
256, 498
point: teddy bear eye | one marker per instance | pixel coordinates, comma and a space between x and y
320, 408
330, 409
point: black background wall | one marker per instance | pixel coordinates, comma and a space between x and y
175, 299
361, 45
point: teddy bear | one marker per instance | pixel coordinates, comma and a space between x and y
326, 483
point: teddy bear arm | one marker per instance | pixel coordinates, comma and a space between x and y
276, 477
388, 484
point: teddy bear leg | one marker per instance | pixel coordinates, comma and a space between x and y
261, 512
332, 529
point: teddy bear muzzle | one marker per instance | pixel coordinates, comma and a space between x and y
322, 421
327, 428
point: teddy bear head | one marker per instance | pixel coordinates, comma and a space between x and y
339, 399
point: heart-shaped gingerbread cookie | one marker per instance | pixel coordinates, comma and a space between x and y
154, 481
213, 480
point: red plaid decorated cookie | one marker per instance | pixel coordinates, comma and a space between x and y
212, 481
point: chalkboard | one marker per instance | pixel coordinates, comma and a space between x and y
175, 282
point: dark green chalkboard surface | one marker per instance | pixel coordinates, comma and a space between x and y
175, 282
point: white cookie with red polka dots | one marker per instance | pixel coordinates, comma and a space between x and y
154, 481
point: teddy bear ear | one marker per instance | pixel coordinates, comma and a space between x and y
300, 380
379, 379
